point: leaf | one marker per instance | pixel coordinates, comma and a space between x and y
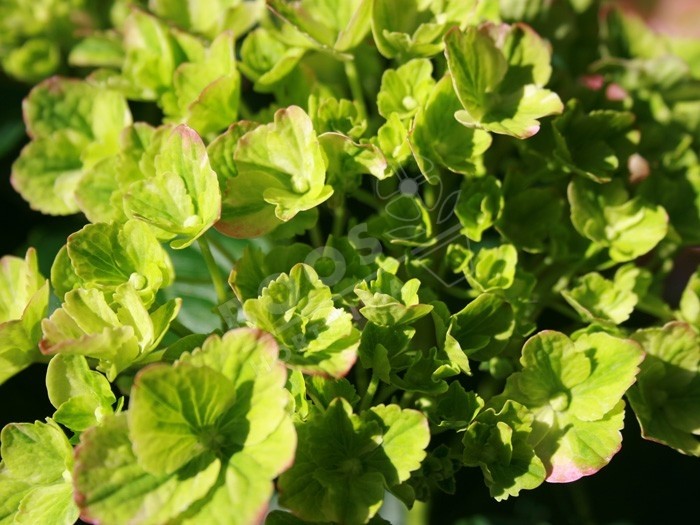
528, 216
390, 302
664, 399
280, 172
498, 442
106, 256
205, 93
598, 299
82, 397
338, 27
37, 460
230, 433
437, 138
153, 51
498, 74
297, 309
112, 487
342, 116
267, 60
491, 268
592, 144
405, 89
406, 29
210, 17
690, 301
118, 334
357, 456
575, 389
403, 221
606, 215
482, 328
24, 298
73, 125
181, 200
479, 205
348, 160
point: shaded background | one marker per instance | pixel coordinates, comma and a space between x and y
644, 484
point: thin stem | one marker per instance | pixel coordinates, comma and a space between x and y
371, 390
385, 393
563, 310
316, 235
356, 87
367, 198
180, 329
214, 271
339, 216
222, 249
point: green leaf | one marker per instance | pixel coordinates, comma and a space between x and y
665, 397
592, 144
37, 463
153, 51
390, 302
596, 298
343, 116
210, 17
117, 333
405, 89
280, 172
627, 227
225, 417
106, 256
498, 74
482, 328
112, 487
73, 125
575, 389
181, 200
407, 28
24, 299
254, 268
479, 205
690, 301
490, 269
498, 442
340, 27
437, 138
267, 60
206, 93
356, 456
297, 309
348, 160
403, 221
528, 216
82, 397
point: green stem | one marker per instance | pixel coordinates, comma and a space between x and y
180, 329
222, 249
356, 87
385, 393
564, 310
371, 390
339, 216
214, 271
367, 198
419, 514
316, 236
